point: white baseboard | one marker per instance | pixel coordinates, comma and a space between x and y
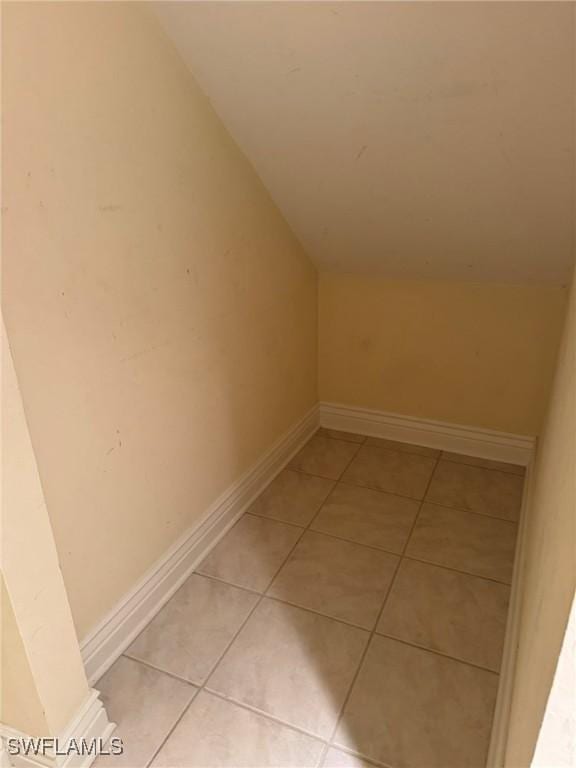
126, 620
473, 441
90, 722
501, 720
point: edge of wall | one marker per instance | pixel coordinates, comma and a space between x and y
472, 441
134, 611
88, 724
501, 719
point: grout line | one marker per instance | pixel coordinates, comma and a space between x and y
358, 485
178, 719
321, 507
283, 601
358, 449
227, 583
270, 519
250, 613
380, 612
375, 488
202, 687
393, 449
432, 456
266, 715
441, 453
221, 656
436, 652
373, 547
342, 439
370, 760
397, 553
314, 513
328, 616
163, 671
408, 498
262, 596
334, 479
471, 512
239, 630
275, 520
332, 490
488, 469
456, 570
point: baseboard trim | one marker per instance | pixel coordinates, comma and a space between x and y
126, 620
89, 723
501, 720
473, 441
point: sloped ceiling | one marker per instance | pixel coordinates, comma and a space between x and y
410, 140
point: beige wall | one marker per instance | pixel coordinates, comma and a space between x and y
480, 354
43, 678
162, 317
549, 565
20, 705
555, 745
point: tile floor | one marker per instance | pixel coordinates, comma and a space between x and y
354, 616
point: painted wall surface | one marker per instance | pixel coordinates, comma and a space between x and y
161, 315
549, 564
557, 738
43, 676
411, 140
20, 705
475, 354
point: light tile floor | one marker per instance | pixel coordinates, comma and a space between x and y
354, 616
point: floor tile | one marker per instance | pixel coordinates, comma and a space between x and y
144, 704
396, 445
292, 497
192, 631
482, 546
291, 664
251, 552
324, 457
219, 734
462, 616
411, 708
367, 517
338, 434
475, 461
337, 578
396, 472
476, 489
336, 758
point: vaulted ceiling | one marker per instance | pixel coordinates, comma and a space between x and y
406, 139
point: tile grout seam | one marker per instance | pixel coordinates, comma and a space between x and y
243, 624
359, 544
378, 617
441, 453
376, 489
263, 595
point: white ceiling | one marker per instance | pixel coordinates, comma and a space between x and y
411, 140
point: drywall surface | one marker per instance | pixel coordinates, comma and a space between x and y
409, 140
20, 703
557, 738
468, 353
44, 682
549, 563
161, 315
